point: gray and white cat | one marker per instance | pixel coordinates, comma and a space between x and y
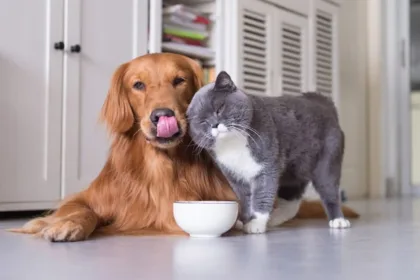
269, 146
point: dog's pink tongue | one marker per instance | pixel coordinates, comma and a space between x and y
167, 127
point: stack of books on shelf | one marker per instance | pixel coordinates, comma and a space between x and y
209, 74
186, 31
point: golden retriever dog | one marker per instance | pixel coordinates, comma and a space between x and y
152, 162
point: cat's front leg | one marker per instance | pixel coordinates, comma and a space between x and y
263, 195
245, 214
243, 193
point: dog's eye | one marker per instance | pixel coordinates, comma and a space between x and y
139, 86
177, 81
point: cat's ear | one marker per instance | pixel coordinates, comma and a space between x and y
224, 82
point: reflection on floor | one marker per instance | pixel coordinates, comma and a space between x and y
384, 244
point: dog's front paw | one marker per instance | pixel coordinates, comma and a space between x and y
33, 226
64, 230
257, 224
339, 223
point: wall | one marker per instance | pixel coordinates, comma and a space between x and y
353, 95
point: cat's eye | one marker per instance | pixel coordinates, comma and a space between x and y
178, 81
139, 86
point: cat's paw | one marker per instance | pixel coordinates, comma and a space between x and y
239, 225
339, 223
258, 224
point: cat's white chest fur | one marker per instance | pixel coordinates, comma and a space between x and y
231, 150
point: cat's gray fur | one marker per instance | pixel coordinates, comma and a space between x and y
295, 139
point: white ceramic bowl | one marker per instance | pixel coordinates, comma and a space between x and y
205, 218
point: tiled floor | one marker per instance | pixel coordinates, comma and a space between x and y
384, 244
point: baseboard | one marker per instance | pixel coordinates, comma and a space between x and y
27, 206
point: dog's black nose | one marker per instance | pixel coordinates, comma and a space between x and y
161, 112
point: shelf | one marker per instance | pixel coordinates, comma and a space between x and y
191, 51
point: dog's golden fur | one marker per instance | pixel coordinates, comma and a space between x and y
142, 177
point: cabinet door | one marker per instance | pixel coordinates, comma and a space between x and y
109, 33
324, 49
248, 44
30, 100
291, 60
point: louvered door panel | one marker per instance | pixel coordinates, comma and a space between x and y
248, 43
291, 61
254, 52
323, 47
324, 53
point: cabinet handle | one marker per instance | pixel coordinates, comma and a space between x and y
59, 45
75, 48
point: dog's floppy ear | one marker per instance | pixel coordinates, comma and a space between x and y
116, 111
198, 73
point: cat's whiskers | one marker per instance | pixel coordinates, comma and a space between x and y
192, 118
194, 146
244, 127
199, 147
196, 149
242, 132
191, 144
248, 128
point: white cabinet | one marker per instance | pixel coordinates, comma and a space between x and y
51, 143
109, 33
268, 48
324, 68
251, 45
30, 100
291, 58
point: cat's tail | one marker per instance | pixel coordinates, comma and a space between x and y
313, 209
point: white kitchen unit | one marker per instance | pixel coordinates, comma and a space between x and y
252, 37
291, 54
271, 47
108, 33
269, 43
31, 80
323, 47
56, 61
